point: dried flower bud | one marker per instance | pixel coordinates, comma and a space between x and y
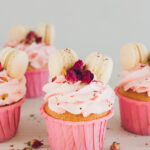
87, 77
71, 76
35, 143
78, 65
115, 146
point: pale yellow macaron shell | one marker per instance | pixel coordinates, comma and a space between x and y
40, 30
100, 65
14, 61
18, 33
46, 31
132, 54
4, 55
17, 64
60, 61
143, 52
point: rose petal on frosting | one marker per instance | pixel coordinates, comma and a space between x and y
87, 77
30, 37
78, 65
71, 76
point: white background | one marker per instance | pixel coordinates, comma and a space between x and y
85, 26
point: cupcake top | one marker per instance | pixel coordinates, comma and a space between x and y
38, 44
73, 88
13, 64
136, 74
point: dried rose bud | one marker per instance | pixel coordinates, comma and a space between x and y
87, 77
35, 143
78, 65
31, 37
115, 146
71, 76
27, 148
38, 40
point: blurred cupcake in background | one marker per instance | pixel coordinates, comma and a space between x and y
13, 65
78, 102
38, 44
134, 89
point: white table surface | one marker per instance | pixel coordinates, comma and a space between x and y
34, 128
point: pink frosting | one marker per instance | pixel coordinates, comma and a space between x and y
12, 89
38, 53
138, 79
78, 98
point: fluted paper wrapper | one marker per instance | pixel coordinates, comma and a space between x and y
36, 79
135, 115
67, 135
9, 120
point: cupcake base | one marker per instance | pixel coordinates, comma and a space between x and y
133, 95
135, 114
9, 120
69, 135
36, 79
71, 117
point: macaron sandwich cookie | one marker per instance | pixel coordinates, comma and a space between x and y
78, 102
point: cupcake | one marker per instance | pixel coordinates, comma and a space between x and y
13, 64
78, 102
38, 45
134, 89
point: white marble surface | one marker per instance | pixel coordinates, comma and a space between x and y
34, 127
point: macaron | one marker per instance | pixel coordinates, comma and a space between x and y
46, 31
61, 60
100, 65
14, 61
132, 54
18, 33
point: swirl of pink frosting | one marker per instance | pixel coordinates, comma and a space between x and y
38, 53
11, 90
138, 80
78, 98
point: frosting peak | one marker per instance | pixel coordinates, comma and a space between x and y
11, 90
137, 80
78, 98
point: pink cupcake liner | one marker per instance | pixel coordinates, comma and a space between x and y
135, 115
67, 135
9, 120
35, 81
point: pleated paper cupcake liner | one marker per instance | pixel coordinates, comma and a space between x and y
35, 81
67, 135
135, 115
9, 120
